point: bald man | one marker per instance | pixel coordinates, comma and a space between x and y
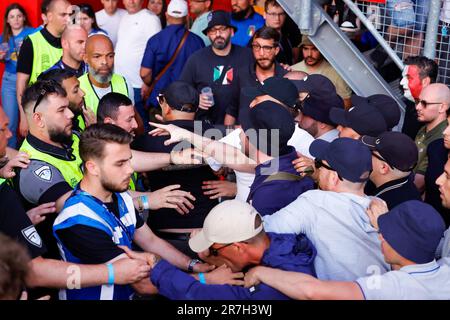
73, 41
41, 50
101, 78
432, 106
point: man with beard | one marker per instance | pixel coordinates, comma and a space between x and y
83, 116
314, 63
101, 79
245, 20
73, 42
419, 72
217, 66
100, 216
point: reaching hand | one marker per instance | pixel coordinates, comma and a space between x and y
23, 126
203, 267
305, 166
38, 214
168, 197
147, 257
177, 134
219, 188
21, 160
89, 116
224, 275
128, 271
186, 156
376, 208
251, 277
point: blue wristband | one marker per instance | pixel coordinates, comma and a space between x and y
110, 274
145, 202
201, 278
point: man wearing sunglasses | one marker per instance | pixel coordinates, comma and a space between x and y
431, 107
335, 217
233, 234
394, 156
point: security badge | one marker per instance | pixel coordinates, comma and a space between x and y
44, 173
32, 236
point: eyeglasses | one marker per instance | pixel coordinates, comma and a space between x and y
47, 87
215, 251
274, 14
319, 163
266, 49
425, 103
220, 29
160, 98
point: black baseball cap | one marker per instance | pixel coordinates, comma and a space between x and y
350, 158
218, 18
181, 96
399, 150
387, 106
362, 117
321, 98
278, 123
279, 88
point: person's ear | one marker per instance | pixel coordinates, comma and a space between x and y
277, 50
108, 120
91, 167
426, 81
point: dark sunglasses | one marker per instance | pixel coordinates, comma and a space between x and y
46, 89
425, 103
319, 163
215, 251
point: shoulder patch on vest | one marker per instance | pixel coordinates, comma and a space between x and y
32, 236
44, 173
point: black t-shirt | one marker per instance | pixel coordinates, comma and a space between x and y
410, 124
191, 180
15, 223
437, 157
25, 60
206, 69
91, 245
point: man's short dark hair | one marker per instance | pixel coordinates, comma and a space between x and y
96, 136
41, 90
427, 67
272, 3
267, 33
47, 5
57, 75
109, 105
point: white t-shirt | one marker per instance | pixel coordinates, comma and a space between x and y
110, 23
134, 32
101, 92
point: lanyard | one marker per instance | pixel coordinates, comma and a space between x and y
108, 215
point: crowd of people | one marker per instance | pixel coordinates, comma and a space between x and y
140, 159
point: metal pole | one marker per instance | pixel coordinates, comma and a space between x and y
429, 49
375, 33
305, 16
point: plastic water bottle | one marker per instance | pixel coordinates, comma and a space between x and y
207, 92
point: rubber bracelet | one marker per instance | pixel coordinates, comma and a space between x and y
110, 274
201, 278
145, 202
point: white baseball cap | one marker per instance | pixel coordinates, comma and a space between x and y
177, 8
228, 222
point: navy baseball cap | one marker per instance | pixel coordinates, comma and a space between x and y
351, 159
396, 148
181, 96
387, 106
279, 88
413, 229
218, 18
362, 117
277, 121
321, 98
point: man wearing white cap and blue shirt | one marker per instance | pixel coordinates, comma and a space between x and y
335, 218
233, 233
409, 236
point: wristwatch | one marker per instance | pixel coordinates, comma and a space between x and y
192, 263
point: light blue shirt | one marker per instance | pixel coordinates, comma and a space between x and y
337, 224
443, 250
415, 282
200, 24
330, 136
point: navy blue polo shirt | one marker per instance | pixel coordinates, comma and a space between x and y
398, 191
269, 197
246, 28
62, 66
160, 49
